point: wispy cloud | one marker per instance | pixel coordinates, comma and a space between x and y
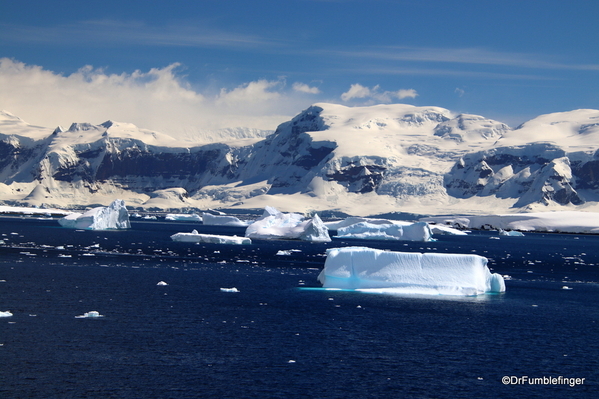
113, 32
358, 91
158, 99
474, 56
304, 88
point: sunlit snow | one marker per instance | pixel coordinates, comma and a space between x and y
194, 236
90, 315
373, 270
114, 216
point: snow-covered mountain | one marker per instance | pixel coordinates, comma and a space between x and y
360, 160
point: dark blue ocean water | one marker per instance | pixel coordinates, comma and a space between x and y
281, 336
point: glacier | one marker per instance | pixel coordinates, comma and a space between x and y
276, 225
114, 216
357, 160
419, 231
196, 237
374, 270
556, 222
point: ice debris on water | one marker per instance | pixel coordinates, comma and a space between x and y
220, 220
193, 217
162, 283
229, 289
90, 315
5, 314
196, 237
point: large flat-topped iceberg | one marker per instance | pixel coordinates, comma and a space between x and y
114, 216
419, 231
367, 269
196, 237
275, 225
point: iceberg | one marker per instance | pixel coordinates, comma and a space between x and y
373, 270
510, 233
419, 231
192, 217
194, 236
114, 216
275, 225
5, 314
229, 289
90, 315
219, 220
348, 221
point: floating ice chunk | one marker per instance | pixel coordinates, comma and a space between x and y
348, 221
162, 283
89, 315
114, 216
565, 287
229, 289
374, 270
315, 231
275, 225
419, 231
5, 314
283, 252
218, 220
193, 217
194, 236
446, 230
510, 233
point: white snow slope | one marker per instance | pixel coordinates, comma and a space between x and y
359, 160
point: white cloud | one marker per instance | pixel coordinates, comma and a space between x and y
356, 91
406, 93
304, 88
260, 90
158, 99
359, 91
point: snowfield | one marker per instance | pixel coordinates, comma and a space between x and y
357, 160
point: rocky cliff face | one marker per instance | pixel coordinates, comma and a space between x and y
410, 158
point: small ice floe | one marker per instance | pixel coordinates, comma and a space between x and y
291, 361
90, 315
565, 287
283, 252
64, 256
229, 289
162, 283
5, 314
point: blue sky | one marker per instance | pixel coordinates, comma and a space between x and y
168, 65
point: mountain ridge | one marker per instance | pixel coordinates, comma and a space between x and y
388, 157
